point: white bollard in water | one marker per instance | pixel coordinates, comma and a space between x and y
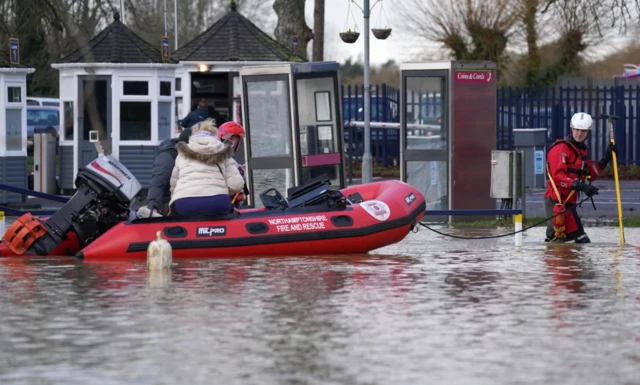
159, 254
518, 220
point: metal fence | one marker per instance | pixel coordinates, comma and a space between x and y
385, 105
550, 108
553, 107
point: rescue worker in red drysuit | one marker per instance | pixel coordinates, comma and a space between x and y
569, 168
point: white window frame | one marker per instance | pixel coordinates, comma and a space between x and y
152, 98
68, 93
16, 106
63, 121
23, 93
167, 98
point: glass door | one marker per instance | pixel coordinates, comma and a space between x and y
318, 128
268, 142
425, 135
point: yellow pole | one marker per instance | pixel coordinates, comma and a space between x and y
615, 178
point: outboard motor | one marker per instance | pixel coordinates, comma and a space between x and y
105, 191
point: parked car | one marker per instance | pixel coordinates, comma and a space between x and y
38, 101
41, 117
382, 109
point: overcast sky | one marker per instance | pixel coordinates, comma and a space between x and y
398, 46
402, 46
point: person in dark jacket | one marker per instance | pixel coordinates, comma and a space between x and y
196, 116
218, 119
159, 193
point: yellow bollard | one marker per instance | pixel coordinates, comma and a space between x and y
518, 227
159, 254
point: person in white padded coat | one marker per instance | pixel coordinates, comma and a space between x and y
204, 175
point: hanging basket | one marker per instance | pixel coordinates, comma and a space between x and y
381, 33
349, 37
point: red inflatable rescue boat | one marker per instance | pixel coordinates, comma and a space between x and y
356, 219
386, 213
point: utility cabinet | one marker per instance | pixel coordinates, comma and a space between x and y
533, 142
507, 182
506, 174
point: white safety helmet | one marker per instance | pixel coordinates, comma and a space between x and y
581, 121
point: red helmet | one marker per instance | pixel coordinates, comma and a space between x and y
227, 130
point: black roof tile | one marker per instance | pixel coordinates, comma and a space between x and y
234, 38
116, 44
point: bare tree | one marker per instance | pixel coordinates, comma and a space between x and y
578, 30
604, 14
48, 30
194, 17
492, 29
470, 29
291, 23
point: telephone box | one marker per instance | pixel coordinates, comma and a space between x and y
293, 124
447, 133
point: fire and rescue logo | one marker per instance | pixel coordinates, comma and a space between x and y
378, 210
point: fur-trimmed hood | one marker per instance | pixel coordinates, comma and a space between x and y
208, 150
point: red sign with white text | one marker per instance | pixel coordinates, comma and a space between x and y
474, 76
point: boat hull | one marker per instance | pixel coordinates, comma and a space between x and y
388, 211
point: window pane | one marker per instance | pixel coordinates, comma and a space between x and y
164, 120
178, 84
425, 98
41, 117
68, 120
430, 178
135, 88
135, 120
14, 94
178, 112
165, 88
269, 118
14, 129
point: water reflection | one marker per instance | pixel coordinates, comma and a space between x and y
454, 312
570, 271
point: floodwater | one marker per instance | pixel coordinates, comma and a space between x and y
429, 310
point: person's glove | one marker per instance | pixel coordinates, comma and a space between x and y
588, 189
608, 155
145, 212
241, 170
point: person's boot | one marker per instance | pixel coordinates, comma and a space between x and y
583, 239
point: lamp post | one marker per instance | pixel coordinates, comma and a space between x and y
367, 172
351, 37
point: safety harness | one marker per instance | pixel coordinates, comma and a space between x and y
560, 214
